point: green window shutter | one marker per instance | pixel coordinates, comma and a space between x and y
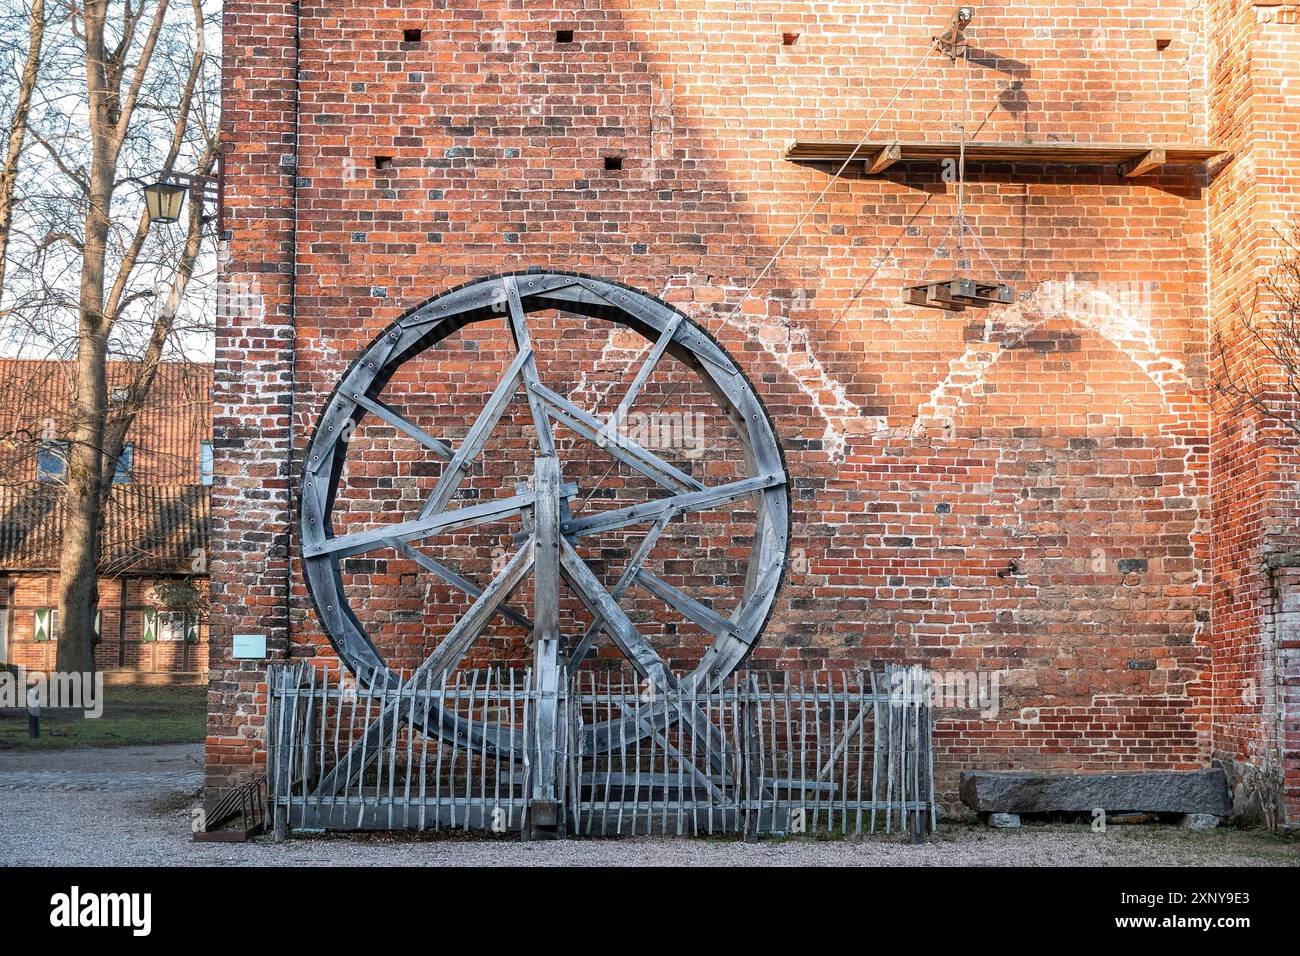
41, 624
150, 632
191, 630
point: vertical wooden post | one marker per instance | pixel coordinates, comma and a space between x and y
545, 813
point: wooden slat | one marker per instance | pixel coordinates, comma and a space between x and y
477, 436
690, 608
454, 579
379, 409
651, 510
362, 541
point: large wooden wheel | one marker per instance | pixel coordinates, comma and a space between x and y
551, 531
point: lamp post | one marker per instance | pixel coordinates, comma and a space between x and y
163, 199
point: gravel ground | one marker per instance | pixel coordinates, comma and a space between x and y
131, 806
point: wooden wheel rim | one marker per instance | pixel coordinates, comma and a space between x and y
482, 300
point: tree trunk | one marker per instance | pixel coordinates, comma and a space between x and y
79, 553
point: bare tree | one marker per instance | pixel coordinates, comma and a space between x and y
26, 83
125, 93
1259, 352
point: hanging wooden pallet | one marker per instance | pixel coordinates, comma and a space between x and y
955, 295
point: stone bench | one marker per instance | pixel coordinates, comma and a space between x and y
1196, 793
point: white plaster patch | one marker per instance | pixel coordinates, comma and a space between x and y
1116, 312
789, 346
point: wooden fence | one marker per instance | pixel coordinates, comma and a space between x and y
842, 752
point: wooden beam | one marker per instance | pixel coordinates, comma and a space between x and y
362, 541
624, 582
630, 641
687, 606
443, 660
884, 158
651, 510
1144, 164
378, 408
643, 374
548, 652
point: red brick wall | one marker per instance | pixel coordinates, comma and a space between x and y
1069, 433
1256, 462
253, 373
118, 648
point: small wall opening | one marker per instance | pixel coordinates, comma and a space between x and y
412, 35
613, 162
789, 39
383, 162
563, 36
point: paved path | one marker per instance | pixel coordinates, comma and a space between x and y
117, 769
131, 806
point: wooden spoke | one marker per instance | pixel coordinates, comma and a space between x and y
629, 640
362, 541
642, 376
689, 607
401, 424
548, 645
633, 645
455, 580
476, 438
466, 631
624, 582
651, 510
624, 449
523, 342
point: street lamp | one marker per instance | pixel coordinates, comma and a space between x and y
163, 200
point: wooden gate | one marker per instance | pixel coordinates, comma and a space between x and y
840, 752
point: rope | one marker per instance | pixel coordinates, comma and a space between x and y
959, 221
676, 386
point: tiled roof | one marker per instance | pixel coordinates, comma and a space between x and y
165, 435
147, 527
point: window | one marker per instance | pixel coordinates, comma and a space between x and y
120, 393
52, 461
122, 473
205, 462
169, 626
45, 624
